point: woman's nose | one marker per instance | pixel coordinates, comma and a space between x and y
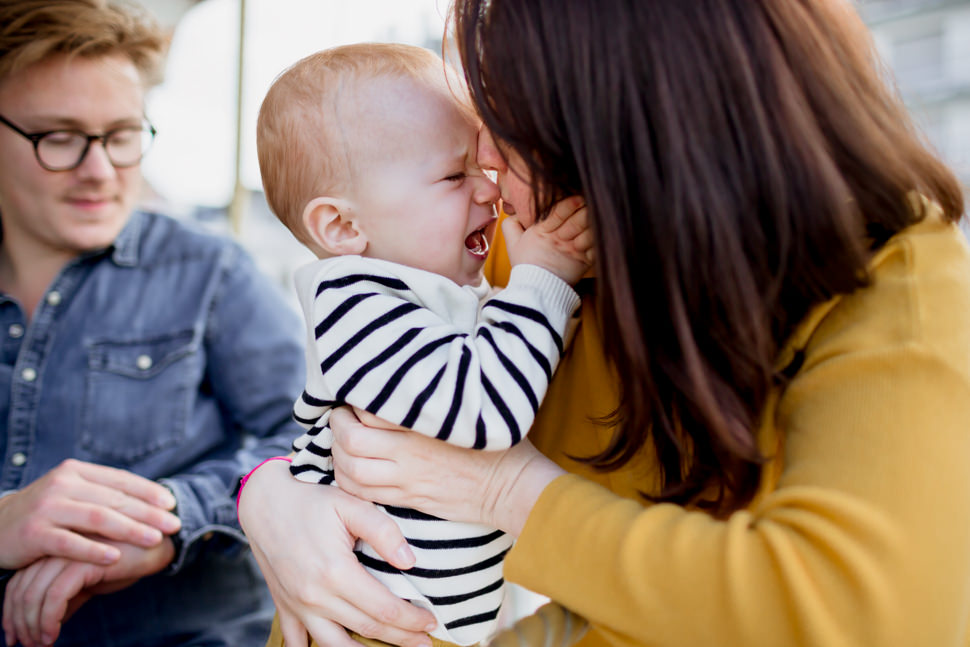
488, 156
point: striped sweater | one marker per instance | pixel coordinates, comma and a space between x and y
451, 362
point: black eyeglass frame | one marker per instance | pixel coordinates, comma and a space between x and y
35, 139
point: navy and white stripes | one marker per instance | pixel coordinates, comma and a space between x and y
417, 350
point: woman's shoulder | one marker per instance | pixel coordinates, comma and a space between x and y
922, 276
918, 296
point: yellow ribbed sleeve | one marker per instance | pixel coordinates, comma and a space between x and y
861, 535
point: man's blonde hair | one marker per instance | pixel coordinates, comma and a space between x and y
300, 140
32, 31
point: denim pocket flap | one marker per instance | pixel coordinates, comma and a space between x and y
143, 358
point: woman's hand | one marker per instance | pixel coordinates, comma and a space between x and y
302, 536
496, 488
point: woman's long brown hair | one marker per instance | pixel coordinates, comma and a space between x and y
740, 159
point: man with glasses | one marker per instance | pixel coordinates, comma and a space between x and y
64, 150
143, 365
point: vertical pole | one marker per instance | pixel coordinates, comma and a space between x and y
237, 207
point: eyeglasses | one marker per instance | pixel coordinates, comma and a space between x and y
63, 150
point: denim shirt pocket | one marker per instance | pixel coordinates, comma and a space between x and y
138, 396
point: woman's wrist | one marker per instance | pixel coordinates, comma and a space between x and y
254, 498
525, 480
245, 478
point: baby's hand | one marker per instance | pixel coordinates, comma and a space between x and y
561, 243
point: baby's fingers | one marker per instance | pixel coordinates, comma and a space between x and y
512, 231
576, 225
569, 211
584, 242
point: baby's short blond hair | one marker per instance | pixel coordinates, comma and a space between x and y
302, 134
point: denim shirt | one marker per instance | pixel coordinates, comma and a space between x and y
169, 355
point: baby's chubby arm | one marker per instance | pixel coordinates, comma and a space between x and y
561, 243
378, 344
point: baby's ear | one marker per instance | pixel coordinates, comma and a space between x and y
331, 224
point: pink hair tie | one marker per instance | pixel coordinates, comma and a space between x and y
242, 481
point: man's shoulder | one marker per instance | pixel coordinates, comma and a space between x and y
163, 237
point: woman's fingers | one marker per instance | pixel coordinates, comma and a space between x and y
326, 584
411, 470
294, 633
353, 471
372, 627
342, 595
360, 440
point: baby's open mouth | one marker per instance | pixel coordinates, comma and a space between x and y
477, 243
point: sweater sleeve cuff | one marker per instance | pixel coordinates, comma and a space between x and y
565, 507
558, 296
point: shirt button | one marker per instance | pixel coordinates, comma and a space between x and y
16, 331
144, 362
53, 297
28, 374
18, 459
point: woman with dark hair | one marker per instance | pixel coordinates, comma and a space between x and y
766, 406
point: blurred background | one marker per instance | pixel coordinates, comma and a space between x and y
223, 56
225, 53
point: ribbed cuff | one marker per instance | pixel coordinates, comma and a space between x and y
558, 297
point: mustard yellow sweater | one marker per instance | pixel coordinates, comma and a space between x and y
860, 534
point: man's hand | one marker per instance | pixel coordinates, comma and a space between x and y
562, 242
56, 515
42, 596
